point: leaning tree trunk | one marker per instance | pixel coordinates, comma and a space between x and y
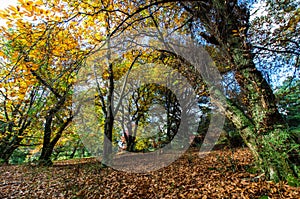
268, 124
261, 125
265, 140
48, 144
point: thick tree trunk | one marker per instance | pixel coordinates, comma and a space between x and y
45, 158
261, 126
245, 126
269, 156
48, 144
268, 124
264, 135
259, 99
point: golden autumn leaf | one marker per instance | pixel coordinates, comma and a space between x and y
13, 8
2, 54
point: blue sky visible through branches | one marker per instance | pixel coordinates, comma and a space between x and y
274, 77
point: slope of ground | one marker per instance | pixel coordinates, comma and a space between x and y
220, 174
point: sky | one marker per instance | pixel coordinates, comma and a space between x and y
257, 9
4, 4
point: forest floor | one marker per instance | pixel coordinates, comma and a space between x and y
220, 174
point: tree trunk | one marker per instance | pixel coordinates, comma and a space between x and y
260, 124
8, 145
74, 150
6, 152
268, 124
48, 144
107, 151
45, 158
109, 120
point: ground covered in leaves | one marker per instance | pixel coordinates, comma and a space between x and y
220, 174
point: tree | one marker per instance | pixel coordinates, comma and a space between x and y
274, 36
144, 100
17, 117
21, 101
228, 24
50, 55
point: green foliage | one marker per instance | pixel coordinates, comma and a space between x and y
289, 105
2, 161
275, 149
252, 169
18, 156
230, 136
264, 197
292, 181
233, 138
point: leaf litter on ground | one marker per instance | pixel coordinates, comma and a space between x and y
220, 174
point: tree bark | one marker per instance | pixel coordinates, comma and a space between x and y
7, 151
109, 120
260, 123
48, 144
267, 121
8, 145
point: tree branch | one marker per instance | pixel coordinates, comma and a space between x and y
277, 51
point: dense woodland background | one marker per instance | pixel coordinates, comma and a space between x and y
45, 44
